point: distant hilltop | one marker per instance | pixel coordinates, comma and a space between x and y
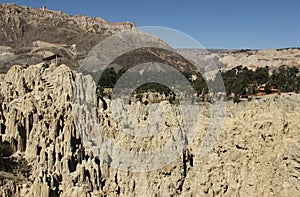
22, 19
28, 34
251, 58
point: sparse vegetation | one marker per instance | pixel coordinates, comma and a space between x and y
153, 87
15, 165
5, 150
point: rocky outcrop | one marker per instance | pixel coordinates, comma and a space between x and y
261, 58
227, 59
28, 34
27, 24
257, 153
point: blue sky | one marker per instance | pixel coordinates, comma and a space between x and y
228, 24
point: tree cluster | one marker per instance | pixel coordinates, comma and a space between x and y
243, 81
238, 81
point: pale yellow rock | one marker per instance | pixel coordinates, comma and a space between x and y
256, 154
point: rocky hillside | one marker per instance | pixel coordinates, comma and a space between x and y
257, 153
29, 34
261, 58
273, 58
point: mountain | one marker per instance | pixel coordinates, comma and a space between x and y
28, 34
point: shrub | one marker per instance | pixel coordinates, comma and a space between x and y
5, 150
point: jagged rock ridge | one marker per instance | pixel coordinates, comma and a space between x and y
256, 154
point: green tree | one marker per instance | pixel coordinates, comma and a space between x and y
261, 75
108, 78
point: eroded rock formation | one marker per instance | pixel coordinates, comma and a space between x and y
257, 153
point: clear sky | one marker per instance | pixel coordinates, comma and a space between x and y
228, 24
